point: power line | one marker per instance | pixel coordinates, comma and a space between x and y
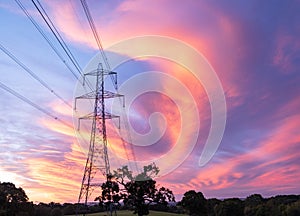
31, 73
98, 41
37, 26
59, 38
95, 33
26, 100
56, 34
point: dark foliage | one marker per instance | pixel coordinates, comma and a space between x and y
42, 210
137, 192
68, 209
211, 204
194, 202
56, 212
140, 194
230, 207
254, 205
110, 192
13, 200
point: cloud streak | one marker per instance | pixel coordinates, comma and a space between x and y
254, 50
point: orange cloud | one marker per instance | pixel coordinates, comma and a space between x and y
58, 126
54, 180
61, 108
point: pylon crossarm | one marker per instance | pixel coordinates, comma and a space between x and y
92, 95
98, 71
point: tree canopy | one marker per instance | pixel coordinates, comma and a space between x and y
10, 194
138, 191
194, 202
13, 199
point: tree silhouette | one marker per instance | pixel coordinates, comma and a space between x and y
254, 205
110, 195
139, 191
11, 198
194, 202
230, 207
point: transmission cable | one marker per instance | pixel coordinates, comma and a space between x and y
56, 34
37, 26
26, 100
98, 41
59, 38
31, 73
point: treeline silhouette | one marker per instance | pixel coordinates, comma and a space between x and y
194, 203
14, 202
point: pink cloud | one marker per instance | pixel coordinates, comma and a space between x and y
269, 168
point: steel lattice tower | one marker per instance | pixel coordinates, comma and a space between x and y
97, 160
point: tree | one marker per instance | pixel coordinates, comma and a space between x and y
254, 205
211, 204
68, 209
25, 209
11, 198
274, 204
254, 200
293, 209
56, 212
194, 202
110, 194
283, 205
140, 191
2, 198
42, 209
12, 194
230, 207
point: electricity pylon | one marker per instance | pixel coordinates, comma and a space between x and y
97, 160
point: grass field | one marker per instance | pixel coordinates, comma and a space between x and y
130, 213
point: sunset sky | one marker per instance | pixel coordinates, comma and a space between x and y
253, 48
